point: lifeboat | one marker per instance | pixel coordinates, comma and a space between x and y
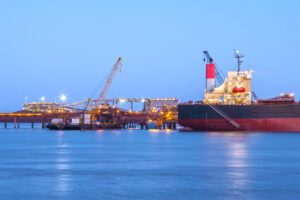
238, 89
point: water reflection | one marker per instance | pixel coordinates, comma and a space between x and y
231, 150
237, 161
154, 130
63, 178
60, 132
167, 131
100, 131
237, 154
62, 164
116, 131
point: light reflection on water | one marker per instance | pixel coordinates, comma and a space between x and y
232, 148
62, 166
237, 155
237, 158
63, 179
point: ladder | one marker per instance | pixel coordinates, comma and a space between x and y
224, 115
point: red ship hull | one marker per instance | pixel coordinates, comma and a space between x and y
265, 124
253, 117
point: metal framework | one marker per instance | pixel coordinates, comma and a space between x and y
110, 79
148, 102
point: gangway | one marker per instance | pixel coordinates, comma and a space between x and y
224, 115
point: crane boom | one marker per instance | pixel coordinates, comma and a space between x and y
218, 72
209, 59
110, 79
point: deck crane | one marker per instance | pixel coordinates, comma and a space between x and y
209, 60
110, 79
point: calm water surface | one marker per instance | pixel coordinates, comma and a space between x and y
137, 164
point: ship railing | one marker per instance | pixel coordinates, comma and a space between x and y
224, 115
192, 103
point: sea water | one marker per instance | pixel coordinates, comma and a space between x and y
148, 164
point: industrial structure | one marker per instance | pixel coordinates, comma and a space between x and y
107, 113
47, 107
101, 113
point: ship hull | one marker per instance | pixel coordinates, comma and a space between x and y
275, 118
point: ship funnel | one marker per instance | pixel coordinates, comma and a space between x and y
210, 77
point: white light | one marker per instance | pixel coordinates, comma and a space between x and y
43, 98
63, 97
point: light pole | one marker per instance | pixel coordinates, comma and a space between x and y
63, 98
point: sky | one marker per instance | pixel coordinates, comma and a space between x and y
48, 48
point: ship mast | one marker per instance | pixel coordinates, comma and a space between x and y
239, 57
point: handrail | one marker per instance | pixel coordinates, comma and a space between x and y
224, 115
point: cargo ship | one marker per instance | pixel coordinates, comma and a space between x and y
230, 107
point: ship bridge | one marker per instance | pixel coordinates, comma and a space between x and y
235, 90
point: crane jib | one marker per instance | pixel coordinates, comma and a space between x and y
110, 79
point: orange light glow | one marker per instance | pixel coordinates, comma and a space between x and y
154, 130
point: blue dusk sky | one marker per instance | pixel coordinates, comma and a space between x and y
52, 47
